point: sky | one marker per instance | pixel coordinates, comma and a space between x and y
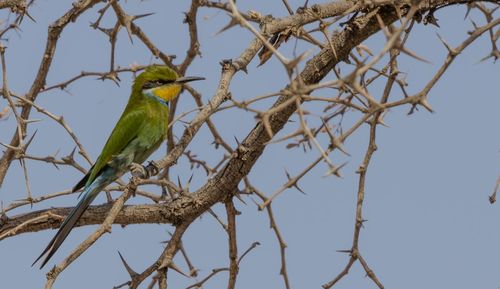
429, 226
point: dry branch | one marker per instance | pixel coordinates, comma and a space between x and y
354, 95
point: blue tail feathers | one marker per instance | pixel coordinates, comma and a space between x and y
88, 195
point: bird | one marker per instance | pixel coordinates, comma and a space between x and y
140, 130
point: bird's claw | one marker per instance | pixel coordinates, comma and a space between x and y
152, 168
139, 171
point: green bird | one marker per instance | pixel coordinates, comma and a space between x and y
140, 130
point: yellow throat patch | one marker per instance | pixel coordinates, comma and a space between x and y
166, 92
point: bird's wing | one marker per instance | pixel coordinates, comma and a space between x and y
126, 130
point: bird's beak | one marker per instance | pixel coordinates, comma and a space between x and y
186, 79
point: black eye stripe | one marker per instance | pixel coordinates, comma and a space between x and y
156, 83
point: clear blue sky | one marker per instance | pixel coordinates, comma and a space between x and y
429, 223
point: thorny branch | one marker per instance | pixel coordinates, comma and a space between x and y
54, 31
354, 95
233, 247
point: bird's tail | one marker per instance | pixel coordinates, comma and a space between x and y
88, 196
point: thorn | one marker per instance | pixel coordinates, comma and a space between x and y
57, 152
21, 163
72, 154
473, 24
237, 141
113, 76
175, 268
423, 102
413, 54
231, 24
237, 195
244, 69
128, 26
107, 31
380, 119
335, 171
32, 120
296, 185
259, 207
53, 157
469, 8
179, 183
130, 271
29, 16
9, 146
189, 182
294, 182
142, 15
339, 145
495, 54
69, 159
452, 51
30, 140
334, 140
290, 65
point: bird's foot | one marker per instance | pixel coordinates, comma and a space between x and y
139, 171
144, 172
152, 168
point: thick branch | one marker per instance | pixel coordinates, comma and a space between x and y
244, 157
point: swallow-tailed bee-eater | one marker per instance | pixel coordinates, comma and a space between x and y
140, 130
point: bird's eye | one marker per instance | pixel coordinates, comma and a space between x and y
155, 83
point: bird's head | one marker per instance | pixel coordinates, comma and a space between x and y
161, 81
